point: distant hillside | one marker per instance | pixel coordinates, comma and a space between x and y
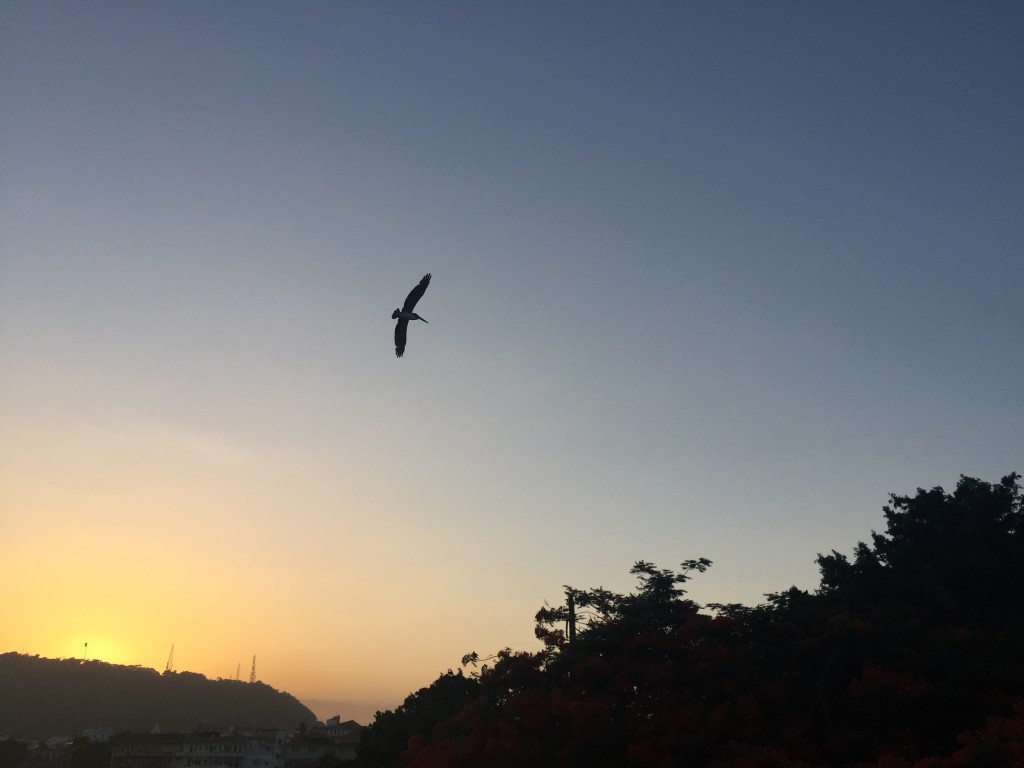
49, 697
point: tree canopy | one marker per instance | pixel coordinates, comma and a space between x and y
906, 656
961, 552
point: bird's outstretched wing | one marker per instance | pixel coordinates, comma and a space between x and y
400, 327
415, 295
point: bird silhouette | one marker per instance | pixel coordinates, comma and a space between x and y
405, 314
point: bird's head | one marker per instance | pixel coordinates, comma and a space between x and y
396, 313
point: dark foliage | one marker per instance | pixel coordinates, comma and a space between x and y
908, 656
959, 554
382, 744
46, 697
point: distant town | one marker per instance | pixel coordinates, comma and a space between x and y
321, 746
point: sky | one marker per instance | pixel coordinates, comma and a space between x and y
710, 279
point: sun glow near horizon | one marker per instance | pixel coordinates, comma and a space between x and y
133, 568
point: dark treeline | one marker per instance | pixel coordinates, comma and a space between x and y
910, 654
41, 697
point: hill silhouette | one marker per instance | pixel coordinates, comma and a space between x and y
42, 697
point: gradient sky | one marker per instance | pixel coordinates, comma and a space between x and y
710, 279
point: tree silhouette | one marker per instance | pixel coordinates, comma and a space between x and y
908, 656
959, 553
382, 744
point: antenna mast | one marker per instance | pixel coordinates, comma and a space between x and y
170, 661
252, 674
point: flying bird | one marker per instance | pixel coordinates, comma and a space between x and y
405, 314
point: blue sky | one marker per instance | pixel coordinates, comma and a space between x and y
710, 279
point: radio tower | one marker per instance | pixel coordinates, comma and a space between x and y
170, 661
252, 674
